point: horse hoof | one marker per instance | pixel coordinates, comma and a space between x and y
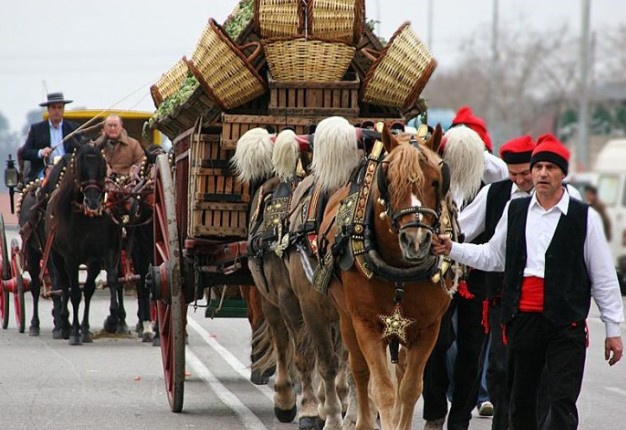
109, 325
66, 333
258, 378
139, 328
33, 330
122, 328
146, 337
285, 416
156, 341
310, 423
87, 337
75, 340
57, 334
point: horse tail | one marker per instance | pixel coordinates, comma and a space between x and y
285, 155
253, 157
335, 153
262, 357
463, 152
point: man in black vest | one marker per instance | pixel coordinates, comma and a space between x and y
553, 253
45, 139
479, 220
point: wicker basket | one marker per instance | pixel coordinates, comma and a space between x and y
279, 18
169, 83
399, 72
336, 19
300, 59
223, 70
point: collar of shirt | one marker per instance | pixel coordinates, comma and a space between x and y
59, 127
562, 205
517, 191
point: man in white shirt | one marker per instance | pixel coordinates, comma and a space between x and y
554, 256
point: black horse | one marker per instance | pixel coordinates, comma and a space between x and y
84, 233
30, 217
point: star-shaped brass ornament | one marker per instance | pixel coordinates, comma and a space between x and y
395, 324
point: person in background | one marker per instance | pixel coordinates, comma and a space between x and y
591, 197
48, 139
554, 255
123, 153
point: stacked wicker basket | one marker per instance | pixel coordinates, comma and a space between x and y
294, 64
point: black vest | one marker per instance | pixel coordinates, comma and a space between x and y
497, 197
567, 288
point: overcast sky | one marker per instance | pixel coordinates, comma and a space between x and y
107, 54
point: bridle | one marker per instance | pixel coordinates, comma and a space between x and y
418, 211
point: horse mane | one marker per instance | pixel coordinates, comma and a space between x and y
285, 155
253, 156
405, 173
335, 153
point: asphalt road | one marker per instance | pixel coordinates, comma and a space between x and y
117, 383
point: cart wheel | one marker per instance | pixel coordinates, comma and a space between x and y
6, 275
166, 279
20, 287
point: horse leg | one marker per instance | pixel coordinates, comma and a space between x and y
252, 297
374, 352
366, 419
304, 360
122, 327
320, 330
75, 294
112, 320
88, 290
60, 296
284, 396
34, 257
412, 381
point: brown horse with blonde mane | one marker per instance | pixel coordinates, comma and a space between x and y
391, 290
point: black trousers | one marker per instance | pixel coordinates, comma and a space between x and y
534, 342
470, 337
497, 385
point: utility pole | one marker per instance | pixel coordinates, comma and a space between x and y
429, 36
495, 79
583, 107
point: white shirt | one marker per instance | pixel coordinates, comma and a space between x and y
472, 217
495, 169
540, 226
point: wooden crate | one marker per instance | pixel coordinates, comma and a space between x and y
218, 202
315, 98
234, 126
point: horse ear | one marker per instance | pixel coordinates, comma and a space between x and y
435, 140
388, 139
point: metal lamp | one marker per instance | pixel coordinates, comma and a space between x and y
11, 179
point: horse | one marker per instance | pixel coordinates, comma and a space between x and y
32, 205
377, 266
78, 230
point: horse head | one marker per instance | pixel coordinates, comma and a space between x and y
89, 167
410, 187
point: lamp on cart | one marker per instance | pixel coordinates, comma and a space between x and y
11, 179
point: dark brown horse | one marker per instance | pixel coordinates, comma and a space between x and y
81, 232
391, 290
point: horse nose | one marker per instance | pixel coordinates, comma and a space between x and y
406, 240
427, 238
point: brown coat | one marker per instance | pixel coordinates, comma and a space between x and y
122, 154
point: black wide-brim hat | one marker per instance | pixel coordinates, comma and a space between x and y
54, 98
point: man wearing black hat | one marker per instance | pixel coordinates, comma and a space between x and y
554, 254
47, 139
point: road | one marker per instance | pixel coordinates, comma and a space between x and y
117, 383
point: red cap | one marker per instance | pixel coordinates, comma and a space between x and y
549, 148
466, 116
518, 150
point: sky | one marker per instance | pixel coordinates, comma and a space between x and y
107, 54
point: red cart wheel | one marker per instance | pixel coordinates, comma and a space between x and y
6, 275
166, 279
20, 286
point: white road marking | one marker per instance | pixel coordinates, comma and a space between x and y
232, 361
616, 390
246, 416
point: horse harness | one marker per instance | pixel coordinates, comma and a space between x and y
354, 241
